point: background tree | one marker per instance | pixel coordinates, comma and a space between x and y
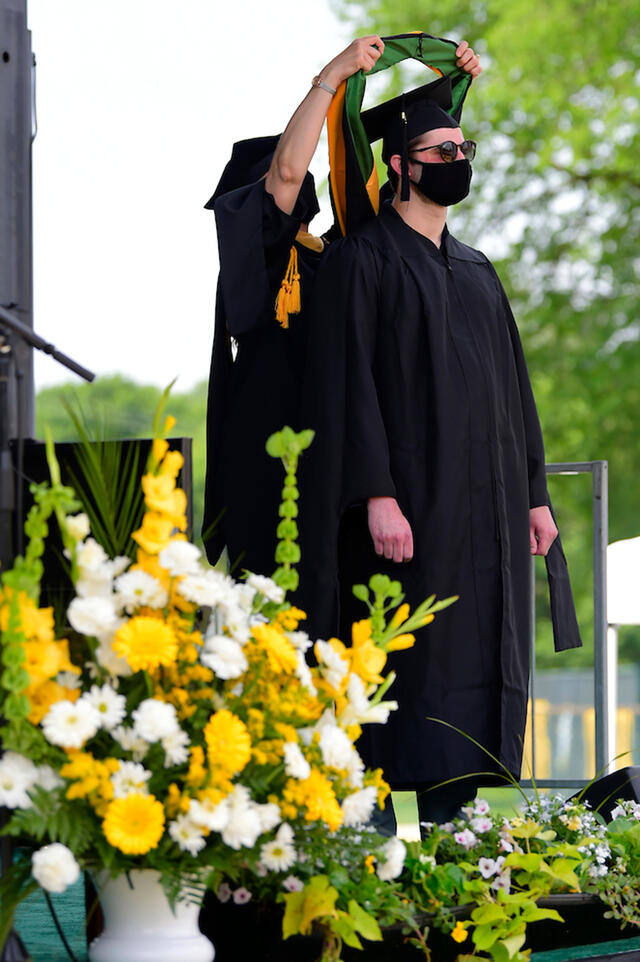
554, 203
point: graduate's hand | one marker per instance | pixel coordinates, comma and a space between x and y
467, 59
389, 529
361, 54
542, 530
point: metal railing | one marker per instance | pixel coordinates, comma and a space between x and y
604, 694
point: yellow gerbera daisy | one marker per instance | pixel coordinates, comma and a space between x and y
228, 742
280, 652
134, 824
145, 643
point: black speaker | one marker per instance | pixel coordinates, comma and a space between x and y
603, 794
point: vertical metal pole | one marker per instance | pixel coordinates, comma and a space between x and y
601, 677
612, 674
16, 270
532, 660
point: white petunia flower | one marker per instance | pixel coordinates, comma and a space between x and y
481, 807
176, 748
502, 881
92, 616
180, 558
154, 720
393, 853
357, 808
487, 867
108, 703
466, 838
70, 724
137, 588
17, 775
266, 587
77, 526
280, 854
130, 777
131, 742
223, 892
295, 764
208, 815
224, 656
54, 867
243, 827
187, 835
292, 884
241, 896
481, 824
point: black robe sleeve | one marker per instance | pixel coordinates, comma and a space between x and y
566, 633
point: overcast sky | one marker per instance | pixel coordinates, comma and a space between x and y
138, 104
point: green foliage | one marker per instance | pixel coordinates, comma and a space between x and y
554, 203
116, 408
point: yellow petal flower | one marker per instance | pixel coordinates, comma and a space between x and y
159, 449
459, 933
402, 613
145, 643
134, 824
228, 742
280, 652
155, 533
400, 642
172, 464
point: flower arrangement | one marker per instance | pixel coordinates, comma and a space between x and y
178, 727
483, 878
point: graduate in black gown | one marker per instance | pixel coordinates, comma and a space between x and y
263, 206
428, 465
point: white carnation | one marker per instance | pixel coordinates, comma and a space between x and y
108, 703
208, 815
54, 867
224, 656
207, 588
357, 808
335, 745
269, 815
180, 558
137, 588
244, 826
393, 853
333, 667
95, 583
90, 555
295, 764
17, 775
70, 724
92, 616
303, 672
176, 750
130, 777
154, 720
187, 835
266, 587
236, 620
299, 639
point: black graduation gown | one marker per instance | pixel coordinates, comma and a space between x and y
418, 389
257, 392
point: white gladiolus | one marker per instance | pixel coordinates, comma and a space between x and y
54, 867
393, 852
154, 720
180, 558
70, 724
77, 526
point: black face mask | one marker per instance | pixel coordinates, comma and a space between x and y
444, 184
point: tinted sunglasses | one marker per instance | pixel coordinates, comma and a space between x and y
449, 150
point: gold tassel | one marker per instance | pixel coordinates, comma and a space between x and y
288, 299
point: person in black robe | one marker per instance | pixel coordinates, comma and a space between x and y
428, 465
263, 205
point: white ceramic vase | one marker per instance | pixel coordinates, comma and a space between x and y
139, 925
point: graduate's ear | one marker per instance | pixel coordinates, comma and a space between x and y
395, 162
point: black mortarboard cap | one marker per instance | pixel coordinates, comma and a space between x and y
249, 161
398, 121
